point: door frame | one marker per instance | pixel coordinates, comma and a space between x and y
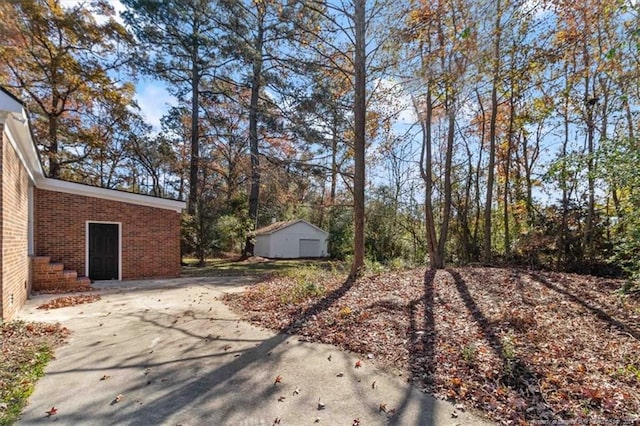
86, 246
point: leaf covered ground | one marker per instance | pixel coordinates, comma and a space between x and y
26, 350
520, 346
78, 289
64, 301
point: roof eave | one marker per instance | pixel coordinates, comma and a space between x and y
19, 135
109, 194
291, 224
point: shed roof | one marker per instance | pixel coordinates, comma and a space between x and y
278, 226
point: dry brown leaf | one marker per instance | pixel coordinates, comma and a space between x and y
62, 302
514, 343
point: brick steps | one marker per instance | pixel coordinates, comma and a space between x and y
49, 276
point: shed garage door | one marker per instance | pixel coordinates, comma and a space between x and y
309, 248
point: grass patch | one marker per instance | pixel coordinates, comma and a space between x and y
307, 283
254, 266
26, 350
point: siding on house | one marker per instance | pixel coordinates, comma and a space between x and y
282, 240
14, 230
150, 236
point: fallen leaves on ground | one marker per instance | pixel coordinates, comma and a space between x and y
62, 302
78, 289
52, 412
519, 345
26, 349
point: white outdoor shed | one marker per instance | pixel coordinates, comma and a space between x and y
291, 240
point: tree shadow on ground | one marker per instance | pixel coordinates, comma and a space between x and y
321, 305
183, 394
172, 388
423, 333
515, 373
595, 310
422, 340
421, 343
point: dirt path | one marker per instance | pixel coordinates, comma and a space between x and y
169, 352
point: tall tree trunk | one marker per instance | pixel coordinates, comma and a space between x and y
507, 171
54, 165
256, 82
486, 246
477, 198
195, 137
589, 104
426, 166
446, 210
359, 137
563, 235
466, 209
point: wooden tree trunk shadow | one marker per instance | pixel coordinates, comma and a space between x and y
598, 312
515, 373
422, 339
423, 333
320, 306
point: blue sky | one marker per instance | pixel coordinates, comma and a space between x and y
151, 95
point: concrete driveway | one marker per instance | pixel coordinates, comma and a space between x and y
169, 352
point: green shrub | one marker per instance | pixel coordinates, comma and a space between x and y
306, 284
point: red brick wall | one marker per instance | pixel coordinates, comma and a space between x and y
2, 142
14, 211
150, 236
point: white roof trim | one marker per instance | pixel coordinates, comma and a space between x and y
10, 131
291, 224
16, 121
108, 194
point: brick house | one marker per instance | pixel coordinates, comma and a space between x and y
55, 233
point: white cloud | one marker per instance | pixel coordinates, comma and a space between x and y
407, 115
154, 101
